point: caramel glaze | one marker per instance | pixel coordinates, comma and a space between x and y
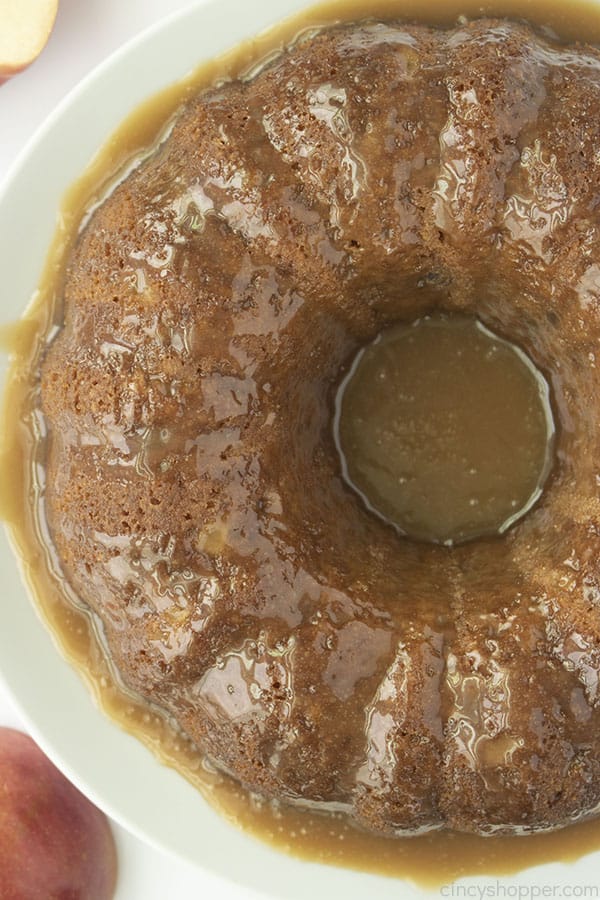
445, 430
480, 662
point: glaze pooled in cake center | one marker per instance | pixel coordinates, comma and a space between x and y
445, 429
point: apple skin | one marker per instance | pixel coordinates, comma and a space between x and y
54, 843
27, 26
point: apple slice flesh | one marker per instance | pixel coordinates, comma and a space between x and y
25, 26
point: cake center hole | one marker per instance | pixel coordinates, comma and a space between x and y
445, 429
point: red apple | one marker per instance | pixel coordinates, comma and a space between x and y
54, 843
25, 27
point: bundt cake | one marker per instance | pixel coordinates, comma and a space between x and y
370, 174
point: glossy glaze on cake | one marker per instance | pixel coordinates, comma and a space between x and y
370, 174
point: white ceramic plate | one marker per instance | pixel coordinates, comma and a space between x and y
112, 768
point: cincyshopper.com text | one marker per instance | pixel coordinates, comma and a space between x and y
499, 891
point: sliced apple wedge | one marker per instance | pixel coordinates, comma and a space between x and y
25, 26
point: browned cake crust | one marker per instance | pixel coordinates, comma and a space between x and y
212, 306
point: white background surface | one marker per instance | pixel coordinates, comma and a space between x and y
87, 31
